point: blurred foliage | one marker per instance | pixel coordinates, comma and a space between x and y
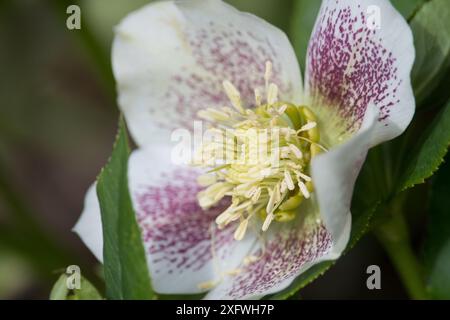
56, 127
302, 23
437, 245
15, 273
103, 15
86, 291
409, 7
58, 117
430, 26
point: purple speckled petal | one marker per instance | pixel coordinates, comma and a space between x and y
290, 250
170, 59
294, 248
352, 63
184, 247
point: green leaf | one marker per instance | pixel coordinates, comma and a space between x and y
125, 267
60, 290
407, 7
429, 152
430, 26
437, 245
86, 292
303, 17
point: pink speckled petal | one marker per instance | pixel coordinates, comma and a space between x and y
184, 247
289, 251
351, 64
170, 59
294, 248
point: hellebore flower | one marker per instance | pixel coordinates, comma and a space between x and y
245, 231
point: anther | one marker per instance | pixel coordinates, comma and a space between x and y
304, 190
234, 95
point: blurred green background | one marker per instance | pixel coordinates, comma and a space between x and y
58, 120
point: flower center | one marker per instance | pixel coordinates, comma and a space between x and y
260, 157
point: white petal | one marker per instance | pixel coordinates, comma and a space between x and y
289, 251
170, 59
352, 63
184, 247
89, 226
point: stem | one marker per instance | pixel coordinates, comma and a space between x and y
394, 236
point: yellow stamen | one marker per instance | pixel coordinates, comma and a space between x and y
268, 73
206, 180
207, 285
304, 190
288, 180
250, 259
263, 160
258, 97
240, 231
267, 222
308, 126
284, 216
272, 94
234, 95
